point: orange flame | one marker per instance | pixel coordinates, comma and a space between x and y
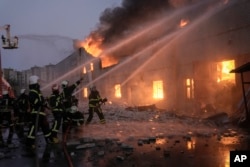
92, 46
183, 22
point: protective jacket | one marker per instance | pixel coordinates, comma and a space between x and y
6, 113
37, 105
94, 99
95, 102
23, 102
55, 102
67, 94
6, 103
36, 100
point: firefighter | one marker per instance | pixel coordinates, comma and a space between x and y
67, 100
75, 117
95, 102
3, 39
7, 114
55, 102
38, 116
22, 104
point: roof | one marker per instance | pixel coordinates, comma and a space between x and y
241, 69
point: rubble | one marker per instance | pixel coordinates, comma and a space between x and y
72, 143
84, 146
143, 137
151, 107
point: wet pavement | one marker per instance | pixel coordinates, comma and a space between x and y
187, 149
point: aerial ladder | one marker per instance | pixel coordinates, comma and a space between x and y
8, 42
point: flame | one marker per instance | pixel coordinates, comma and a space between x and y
158, 89
118, 91
183, 22
223, 71
92, 46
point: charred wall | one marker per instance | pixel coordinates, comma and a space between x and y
218, 38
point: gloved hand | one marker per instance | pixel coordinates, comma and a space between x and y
79, 81
104, 100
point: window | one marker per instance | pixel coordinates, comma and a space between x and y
223, 71
84, 71
158, 89
118, 91
91, 67
190, 88
85, 92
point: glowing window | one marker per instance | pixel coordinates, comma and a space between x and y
85, 92
158, 89
190, 88
118, 91
91, 67
223, 71
84, 71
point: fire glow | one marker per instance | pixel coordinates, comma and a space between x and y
223, 70
92, 46
183, 23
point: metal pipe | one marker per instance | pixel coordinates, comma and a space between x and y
244, 96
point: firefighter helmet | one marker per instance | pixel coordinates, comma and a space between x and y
33, 79
64, 83
55, 87
74, 109
22, 91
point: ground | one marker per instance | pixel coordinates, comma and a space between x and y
148, 138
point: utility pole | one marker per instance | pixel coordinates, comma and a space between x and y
7, 43
1, 74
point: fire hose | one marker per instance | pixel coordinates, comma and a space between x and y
68, 157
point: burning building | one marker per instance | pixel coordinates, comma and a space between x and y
178, 56
179, 61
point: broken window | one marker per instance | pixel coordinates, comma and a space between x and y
223, 71
190, 88
158, 89
118, 91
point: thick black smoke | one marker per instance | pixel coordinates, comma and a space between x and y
120, 21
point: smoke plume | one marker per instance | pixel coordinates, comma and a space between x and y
130, 18
121, 21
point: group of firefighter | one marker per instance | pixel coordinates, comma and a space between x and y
29, 109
